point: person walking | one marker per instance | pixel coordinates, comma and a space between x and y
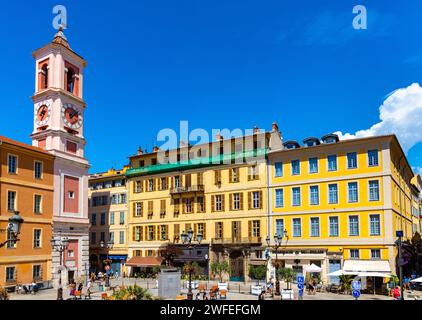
88, 290
396, 293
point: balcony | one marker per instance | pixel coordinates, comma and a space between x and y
181, 190
236, 241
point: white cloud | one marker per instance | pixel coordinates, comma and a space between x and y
400, 114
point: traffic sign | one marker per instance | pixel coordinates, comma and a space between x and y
300, 286
300, 293
301, 279
356, 285
356, 294
399, 233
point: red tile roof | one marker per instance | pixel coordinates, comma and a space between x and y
23, 145
145, 262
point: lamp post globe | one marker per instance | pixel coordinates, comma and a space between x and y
15, 223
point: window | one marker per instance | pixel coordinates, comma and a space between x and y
297, 227
296, 196
138, 186
334, 232
256, 200
353, 226
112, 218
103, 219
150, 185
375, 254
352, 192
314, 227
137, 253
236, 201
256, 228
218, 230
122, 218
373, 158
94, 219
11, 201
278, 169
10, 274
218, 202
352, 161
177, 183
234, 175
332, 193
11, 243
93, 238
279, 227
253, 173
71, 147
12, 164
111, 237
375, 225
121, 237
38, 169
150, 233
313, 165
354, 253
37, 238
138, 209
374, 190
201, 205
163, 183
37, 204
295, 167
102, 236
279, 198
314, 195
332, 163
36, 272
188, 205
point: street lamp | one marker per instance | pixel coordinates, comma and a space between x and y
60, 244
13, 228
278, 238
187, 240
109, 246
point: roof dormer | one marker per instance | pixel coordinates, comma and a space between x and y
330, 138
311, 142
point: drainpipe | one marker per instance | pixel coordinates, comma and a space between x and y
268, 206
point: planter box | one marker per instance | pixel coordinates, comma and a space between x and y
223, 286
256, 290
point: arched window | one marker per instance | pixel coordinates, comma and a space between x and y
44, 77
70, 80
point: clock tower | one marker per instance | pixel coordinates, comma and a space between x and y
59, 111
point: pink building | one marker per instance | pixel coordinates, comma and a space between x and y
59, 129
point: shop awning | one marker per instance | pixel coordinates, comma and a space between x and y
359, 266
144, 262
374, 274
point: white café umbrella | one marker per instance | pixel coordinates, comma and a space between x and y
374, 274
313, 268
341, 273
417, 280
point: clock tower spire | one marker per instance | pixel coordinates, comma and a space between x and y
59, 113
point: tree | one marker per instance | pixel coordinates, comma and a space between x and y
258, 272
287, 274
346, 283
220, 268
4, 295
194, 267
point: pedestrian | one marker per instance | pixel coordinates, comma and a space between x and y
396, 293
205, 297
198, 296
88, 289
262, 295
80, 287
72, 287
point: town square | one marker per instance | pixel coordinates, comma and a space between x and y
169, 159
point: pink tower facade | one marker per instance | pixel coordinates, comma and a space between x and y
59, 128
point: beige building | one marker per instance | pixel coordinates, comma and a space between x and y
108, 214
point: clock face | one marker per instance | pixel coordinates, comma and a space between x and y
42, 113
71, 116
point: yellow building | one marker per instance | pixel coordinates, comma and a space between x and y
338, 204
217, 189
416, 184
108, 214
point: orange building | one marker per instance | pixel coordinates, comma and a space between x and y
26, 186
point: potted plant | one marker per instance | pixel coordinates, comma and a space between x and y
220, 269
257, 273
4, 295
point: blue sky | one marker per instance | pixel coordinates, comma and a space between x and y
218, 64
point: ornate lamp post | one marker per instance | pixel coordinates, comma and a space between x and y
278, 238
188, 241
60, 244
13, 228
109, 246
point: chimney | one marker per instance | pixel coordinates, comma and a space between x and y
275, 127
255, 130
219, 137
156, 149
140, 152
